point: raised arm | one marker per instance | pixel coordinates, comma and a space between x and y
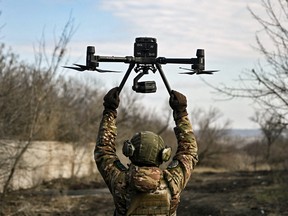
179, 171
187, 146
105, 156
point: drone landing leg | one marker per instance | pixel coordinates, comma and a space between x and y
131, 66
163, 78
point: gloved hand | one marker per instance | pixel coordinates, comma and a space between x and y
178, 103
111, 99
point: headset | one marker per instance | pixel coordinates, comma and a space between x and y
128, 150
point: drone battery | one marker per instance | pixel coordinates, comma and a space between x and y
145, 47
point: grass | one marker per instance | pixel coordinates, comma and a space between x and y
273, 195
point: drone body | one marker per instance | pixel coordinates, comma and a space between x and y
144, 60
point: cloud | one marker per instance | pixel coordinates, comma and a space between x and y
222, 26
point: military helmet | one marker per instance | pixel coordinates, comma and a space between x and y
146, 148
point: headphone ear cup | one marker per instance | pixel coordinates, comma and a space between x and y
166, 154
128, 148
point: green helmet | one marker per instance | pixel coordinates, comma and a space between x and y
146, 148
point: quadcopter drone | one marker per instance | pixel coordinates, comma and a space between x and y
144, 60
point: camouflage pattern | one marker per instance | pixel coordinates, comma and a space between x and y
178, 172
147, 147
149, 182
147, 191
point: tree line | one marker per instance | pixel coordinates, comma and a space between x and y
38, 103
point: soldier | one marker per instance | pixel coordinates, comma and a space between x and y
143, 188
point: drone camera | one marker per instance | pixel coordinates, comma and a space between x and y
145, 47
145, 87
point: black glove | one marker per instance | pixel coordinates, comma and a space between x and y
178, 103
111, 99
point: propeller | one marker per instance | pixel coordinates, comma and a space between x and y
84, 67
78, 68
195, 71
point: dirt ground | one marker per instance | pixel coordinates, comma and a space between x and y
207, 193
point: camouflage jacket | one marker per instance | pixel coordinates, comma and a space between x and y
114, 173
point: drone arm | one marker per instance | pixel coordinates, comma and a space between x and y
126, 59
163, 78
131, 66
140, 60
163, 60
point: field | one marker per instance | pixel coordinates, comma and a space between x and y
207, 193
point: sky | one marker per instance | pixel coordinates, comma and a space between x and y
225, 29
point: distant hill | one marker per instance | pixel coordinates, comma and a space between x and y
245, 133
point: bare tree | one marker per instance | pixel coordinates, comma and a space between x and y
210, 134
36, 103
256, 152
79, 113
33, 88
268, 83
272, 126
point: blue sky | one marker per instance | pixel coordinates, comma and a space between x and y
224, 28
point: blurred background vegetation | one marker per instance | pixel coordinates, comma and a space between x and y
39, 104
